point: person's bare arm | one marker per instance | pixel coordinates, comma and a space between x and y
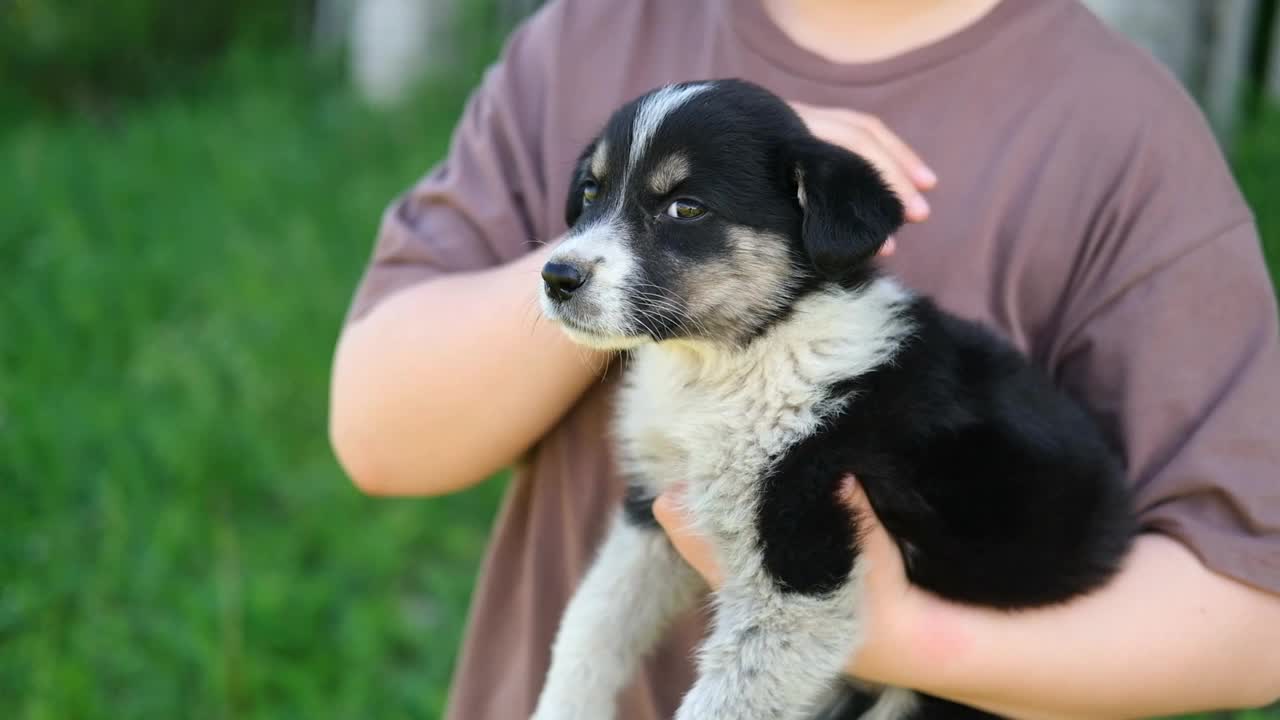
446, 382
1168, 636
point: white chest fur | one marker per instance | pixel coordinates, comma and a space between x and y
716, 419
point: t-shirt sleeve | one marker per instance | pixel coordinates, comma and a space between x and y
1175, 344
479, 206
1185, 365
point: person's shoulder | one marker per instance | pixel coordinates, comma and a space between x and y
1113, 102
1107, 77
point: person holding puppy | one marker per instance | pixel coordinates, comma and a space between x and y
1064, 191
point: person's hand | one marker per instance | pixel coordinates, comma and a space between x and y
867, 136
903, 625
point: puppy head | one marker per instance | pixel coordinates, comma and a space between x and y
703, 211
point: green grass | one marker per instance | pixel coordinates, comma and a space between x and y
177, 539
1256, 161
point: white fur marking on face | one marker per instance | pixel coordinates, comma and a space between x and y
656, 107
599, 249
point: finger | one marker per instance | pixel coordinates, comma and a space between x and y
853, 496
669, 513
923, 177
890, 247
869, 527
666, 510
805, 110
878, 546
868, 137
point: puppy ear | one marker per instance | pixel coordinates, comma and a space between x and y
849, 210
573, 203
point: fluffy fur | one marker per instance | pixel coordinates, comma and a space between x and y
731, 253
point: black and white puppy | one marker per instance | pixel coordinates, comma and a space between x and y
731, 253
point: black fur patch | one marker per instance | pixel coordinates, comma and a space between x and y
1005, 490
849, 212
936, 708
807, 535
850, 704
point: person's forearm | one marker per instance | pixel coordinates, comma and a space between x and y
446, 382
1166, 637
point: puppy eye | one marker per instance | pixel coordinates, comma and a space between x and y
686, 209
590, 191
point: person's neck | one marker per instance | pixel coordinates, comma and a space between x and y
859, 31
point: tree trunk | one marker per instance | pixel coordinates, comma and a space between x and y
329, 28
511, 12
1170, 30
393, 42
1227, 64
1206, 43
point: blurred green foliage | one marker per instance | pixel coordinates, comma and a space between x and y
93, 58
86, 54
178, 541
1256, 162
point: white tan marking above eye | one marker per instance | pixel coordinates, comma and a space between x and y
669, 173
651, 114
600, 159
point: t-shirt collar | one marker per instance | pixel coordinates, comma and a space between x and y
753, 23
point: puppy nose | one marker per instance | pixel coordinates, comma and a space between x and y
561, 280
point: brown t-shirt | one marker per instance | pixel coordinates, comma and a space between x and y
1084, 211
